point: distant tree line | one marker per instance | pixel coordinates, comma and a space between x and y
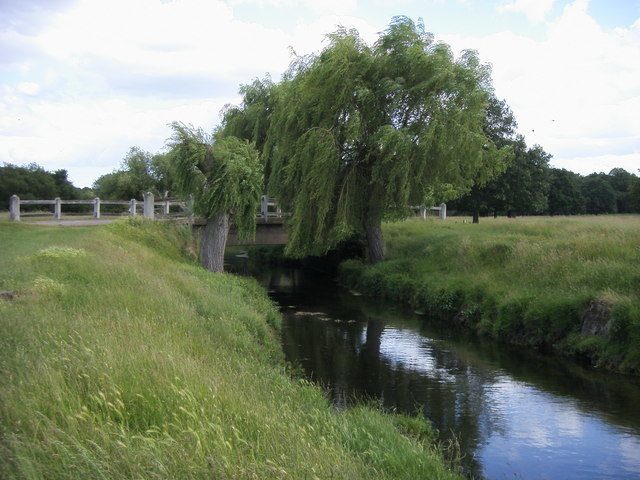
139, 172
33, 182
530, 186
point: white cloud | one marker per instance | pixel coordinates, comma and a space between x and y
340, 7
29, 88
576, 92
103, 76
535, 10
100, 76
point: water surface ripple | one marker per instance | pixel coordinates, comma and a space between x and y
514, 414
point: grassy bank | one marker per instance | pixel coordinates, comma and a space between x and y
121, 358
570, 284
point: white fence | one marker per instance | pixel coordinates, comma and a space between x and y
148, 206
269, 208
422, 211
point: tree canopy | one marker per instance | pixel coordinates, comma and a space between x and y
223, 176
565, 193
34, 182
359, 132
600, 196
139, 172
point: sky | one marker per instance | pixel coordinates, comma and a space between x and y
82, 81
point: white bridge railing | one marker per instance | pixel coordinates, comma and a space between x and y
269, 207
422, 211
148, 206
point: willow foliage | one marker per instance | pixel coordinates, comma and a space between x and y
359, 132
223, 174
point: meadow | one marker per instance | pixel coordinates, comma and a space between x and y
120, 357
567, 284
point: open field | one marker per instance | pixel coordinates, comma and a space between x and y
571, 284
121, 358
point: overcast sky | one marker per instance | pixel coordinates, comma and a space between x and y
81, 81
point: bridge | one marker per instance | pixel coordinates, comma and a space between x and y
270, 220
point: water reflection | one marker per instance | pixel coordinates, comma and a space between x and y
515, 414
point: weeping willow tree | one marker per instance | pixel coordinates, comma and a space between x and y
224, 176
359, 132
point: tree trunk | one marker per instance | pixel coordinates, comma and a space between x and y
476, 216
375, 242
214, 239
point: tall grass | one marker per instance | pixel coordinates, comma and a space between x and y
528, 280
122, 358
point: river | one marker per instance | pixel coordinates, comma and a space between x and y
513, 414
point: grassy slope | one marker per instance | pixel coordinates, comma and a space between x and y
122, 359
527, 280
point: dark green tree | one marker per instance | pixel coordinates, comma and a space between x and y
224, 176
600, 197
64, 186
500, 127
634, 194
621, 181
359, 132
565, 193
28, 182
524, 187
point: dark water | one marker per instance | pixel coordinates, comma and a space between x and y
515, 415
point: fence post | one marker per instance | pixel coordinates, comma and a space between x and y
264, 207
423, 212
443, 211
147, 206
14, 208
132, 207
57, 209
96, 207
167, 206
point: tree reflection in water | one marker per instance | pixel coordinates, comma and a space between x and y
506, 408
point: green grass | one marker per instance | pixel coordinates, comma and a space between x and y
527, 280
122, 358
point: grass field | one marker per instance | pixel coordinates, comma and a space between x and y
121, 358
530, 281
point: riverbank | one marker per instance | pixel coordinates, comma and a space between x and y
567, 284
122, 358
